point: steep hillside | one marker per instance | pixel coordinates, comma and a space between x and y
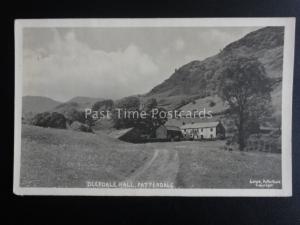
38, 104
199, 79
210, 103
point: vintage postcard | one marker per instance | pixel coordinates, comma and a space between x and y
154, 107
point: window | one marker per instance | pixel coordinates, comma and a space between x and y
211, 129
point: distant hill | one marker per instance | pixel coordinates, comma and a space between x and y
77, 103
71, 108
199, 79
84, 102
38, 104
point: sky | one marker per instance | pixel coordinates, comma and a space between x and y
62, 63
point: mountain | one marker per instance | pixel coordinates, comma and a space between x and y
78, 103
84, 102
38, 104
199, 79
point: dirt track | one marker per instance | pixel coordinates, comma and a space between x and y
162, 167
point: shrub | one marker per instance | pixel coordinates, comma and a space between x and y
130, 104
49, 119
212, 104
104, 105
80, 127
74, 115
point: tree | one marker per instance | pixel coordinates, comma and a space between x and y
72, 114
49, 119
104, 105
246, 88
147, 118
105, 109
125, 111
78, 126
153, 118
150, 104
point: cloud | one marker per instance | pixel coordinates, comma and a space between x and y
68, 68
179, 44
112, 63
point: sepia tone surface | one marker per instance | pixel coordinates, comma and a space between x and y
154, 108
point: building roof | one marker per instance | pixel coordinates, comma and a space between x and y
200, 125
173, 128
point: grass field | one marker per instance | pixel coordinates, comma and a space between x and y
207, 165
64, 158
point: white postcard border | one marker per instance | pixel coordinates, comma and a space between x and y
287, 91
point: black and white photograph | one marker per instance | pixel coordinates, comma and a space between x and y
154, 107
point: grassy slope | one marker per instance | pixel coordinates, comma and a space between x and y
206, 165
204, 103
64, 158
222, 169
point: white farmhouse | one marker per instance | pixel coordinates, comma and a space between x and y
203, 130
